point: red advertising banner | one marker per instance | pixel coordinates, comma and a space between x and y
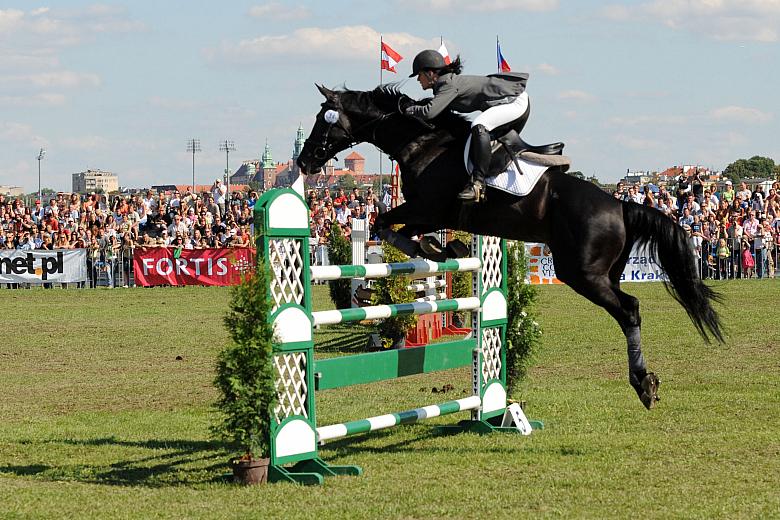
172, 266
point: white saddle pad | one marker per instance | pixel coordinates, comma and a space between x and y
514, 182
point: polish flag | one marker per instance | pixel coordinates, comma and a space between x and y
390, 58
443, 51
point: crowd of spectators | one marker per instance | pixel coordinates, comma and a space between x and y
327, 207
722, 223
735, 233
109, 228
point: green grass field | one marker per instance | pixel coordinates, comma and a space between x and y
105, 407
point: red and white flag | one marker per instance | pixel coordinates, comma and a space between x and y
443, 51
390, 58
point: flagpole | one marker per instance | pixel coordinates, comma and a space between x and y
498, 55
380, 84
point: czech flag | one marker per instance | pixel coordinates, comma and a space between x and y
390, 58
503, 66
443, 51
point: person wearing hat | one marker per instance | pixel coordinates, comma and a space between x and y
500, 97
728, 192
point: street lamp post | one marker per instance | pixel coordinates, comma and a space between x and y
40, 158
193, 145
227, 146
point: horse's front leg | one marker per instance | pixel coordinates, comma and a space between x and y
402, 239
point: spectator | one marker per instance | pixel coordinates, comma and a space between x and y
218, 191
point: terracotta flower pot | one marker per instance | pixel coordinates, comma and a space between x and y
250, 471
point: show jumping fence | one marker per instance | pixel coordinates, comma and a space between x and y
282, 219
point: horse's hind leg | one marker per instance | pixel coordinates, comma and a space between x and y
643, 382
624, 308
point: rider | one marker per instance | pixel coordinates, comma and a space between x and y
500, 97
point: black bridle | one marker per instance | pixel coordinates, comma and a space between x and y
324, 150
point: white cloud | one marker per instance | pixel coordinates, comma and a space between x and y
671, 120
636, 143
63, 79
43, 27
459, 6
576, 95
37, 100
347, 42
173, 104
20, 132
546, 68
726, 20
740, 114
277, 11
87, 142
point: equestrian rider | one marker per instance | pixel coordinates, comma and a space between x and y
500, 97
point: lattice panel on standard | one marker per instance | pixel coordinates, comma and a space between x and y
491, 263
287, 271
491, 353
291, 390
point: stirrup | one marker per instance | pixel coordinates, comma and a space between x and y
473, 192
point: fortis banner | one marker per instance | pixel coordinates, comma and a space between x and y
640, 267
171, 266
42, 266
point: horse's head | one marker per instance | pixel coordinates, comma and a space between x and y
329, 136
346, 118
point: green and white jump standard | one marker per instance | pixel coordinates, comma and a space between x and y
282, 219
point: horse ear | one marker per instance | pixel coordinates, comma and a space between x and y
329, 94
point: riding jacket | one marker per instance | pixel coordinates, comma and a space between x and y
463, 93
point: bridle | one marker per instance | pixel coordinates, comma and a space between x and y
323, 150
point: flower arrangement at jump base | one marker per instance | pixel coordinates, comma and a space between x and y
245, 379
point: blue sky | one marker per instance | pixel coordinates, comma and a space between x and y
121, 86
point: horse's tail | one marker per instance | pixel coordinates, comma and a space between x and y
668, 242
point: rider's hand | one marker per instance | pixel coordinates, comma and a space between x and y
404, 103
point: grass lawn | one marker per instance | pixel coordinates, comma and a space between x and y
106, 395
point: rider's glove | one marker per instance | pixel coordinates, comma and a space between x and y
404, 103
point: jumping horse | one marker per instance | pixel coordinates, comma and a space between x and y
590, 233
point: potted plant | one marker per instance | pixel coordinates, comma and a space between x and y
245, 379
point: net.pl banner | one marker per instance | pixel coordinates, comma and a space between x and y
171, 266
640, 267
42, 266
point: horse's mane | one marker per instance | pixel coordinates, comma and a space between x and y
384, 99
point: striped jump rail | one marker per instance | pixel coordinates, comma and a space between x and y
376, 312
338, 431
424, 286
417, 266
432, 297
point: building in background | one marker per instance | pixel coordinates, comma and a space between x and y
95, 180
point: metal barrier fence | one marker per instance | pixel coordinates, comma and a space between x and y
740, 259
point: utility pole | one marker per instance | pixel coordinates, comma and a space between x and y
193, 145
227, 146
40, 158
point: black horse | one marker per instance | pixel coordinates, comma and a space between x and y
589, 233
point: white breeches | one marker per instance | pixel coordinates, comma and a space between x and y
499, 115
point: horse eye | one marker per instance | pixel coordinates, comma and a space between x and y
331, 116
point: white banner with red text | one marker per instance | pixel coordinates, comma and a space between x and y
640, 267
173, 266
42, 266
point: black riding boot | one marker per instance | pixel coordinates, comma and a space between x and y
480, 162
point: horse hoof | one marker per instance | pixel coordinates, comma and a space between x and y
430, 246
649, 395
457, 249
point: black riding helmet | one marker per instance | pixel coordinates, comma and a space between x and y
427, 59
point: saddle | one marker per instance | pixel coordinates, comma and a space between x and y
507, 148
